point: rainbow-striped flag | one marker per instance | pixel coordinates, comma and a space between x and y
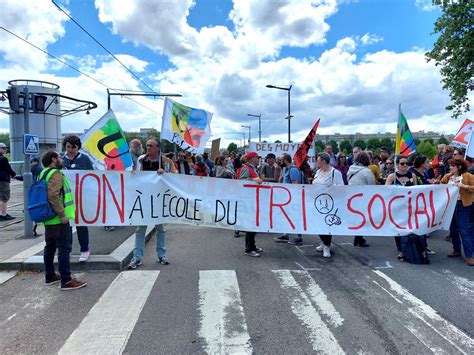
106, 145
405, 144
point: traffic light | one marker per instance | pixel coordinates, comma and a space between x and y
38, 102
13, 99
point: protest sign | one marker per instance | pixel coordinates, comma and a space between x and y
188, 127
145, 198
461, 138
106, 145
278, 149
215, 152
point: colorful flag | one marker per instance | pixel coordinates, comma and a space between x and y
106, 145
461, 138
303, 149
405, 144
188, 127
470, 146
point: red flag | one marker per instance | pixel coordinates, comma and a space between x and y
302, 151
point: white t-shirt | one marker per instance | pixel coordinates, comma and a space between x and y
331, 177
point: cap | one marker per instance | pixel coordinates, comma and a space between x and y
270, 156
251, 155
2, 145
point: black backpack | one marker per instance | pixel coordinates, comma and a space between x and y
414, 249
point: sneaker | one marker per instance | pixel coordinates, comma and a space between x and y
163, 261
252, 253
7, 217
84, 256
295, 241
258, 250
283, 239
134, 264
320, 247
430, 252
326, 252
53, 280
2, 218
454, 254
73, 284
469, 261
236, 234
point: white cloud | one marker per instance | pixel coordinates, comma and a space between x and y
39, 22
369, 38
425, 5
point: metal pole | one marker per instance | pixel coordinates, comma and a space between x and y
289, 117
108, 99
27, 177
260, 128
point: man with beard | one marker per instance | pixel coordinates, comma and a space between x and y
136, 149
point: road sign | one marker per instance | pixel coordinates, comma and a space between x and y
30, 144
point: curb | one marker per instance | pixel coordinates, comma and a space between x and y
115, 261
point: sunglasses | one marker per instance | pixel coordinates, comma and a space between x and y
403, 163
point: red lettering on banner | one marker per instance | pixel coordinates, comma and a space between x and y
433, 210
369, 210
120, 207
419, 211
349, 207
390, 215
303, 206
280, 205
447, 204
76, 198
410, 211
81, 211
257, 200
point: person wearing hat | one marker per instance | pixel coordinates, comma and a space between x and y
270, 171
249, 172
6, 173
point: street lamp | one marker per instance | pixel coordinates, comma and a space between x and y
259, 126
243, 126
289, 112
243, 133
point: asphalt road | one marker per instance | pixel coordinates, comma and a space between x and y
213, 299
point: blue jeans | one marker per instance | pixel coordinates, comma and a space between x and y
58, 236
461, 228
140, 241
83, 238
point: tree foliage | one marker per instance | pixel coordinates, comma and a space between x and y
373, 143
387, 142
428, 149
443, 140
346, 146
454, 51
232, 147
319, 145
5, 138
359, 143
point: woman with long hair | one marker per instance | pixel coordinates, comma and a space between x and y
461, 228
342, 166
401, 177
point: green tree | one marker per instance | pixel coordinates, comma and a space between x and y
5, 138
443, 140
426, 148
134, 135
319, 146
387, 142
373, 143
334, 145
165, 145
359, 143
454, 51
346, 146
278, 141
417, 141
232, 147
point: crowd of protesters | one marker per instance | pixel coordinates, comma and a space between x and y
359, 168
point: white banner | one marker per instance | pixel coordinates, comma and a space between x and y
145, 198
188, 127
278, 149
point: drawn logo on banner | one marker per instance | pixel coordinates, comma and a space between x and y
190, 123
324, 204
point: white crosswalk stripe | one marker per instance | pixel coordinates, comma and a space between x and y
322, 339
219, 296
109, 324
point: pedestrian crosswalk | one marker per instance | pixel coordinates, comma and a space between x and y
385, 317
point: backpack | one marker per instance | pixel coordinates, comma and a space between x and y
414, 249
39, 208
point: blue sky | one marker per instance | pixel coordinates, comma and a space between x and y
350, 62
